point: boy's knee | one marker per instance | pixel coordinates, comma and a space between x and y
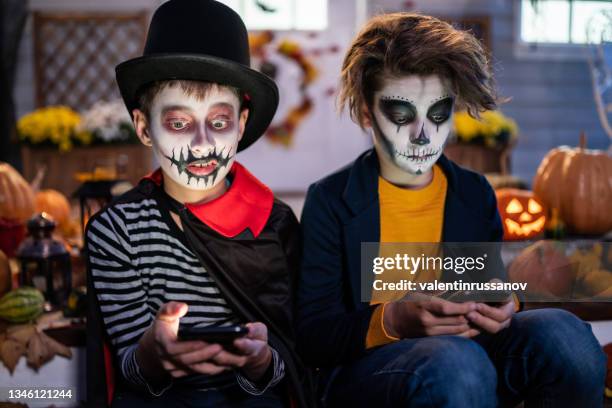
462, 359
568, 344
544, 319
450, 368
556, 330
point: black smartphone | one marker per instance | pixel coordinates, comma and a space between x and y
490, 297
224, 335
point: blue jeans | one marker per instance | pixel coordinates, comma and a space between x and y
547, 358
230, 397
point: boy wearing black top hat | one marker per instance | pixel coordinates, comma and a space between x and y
200, 242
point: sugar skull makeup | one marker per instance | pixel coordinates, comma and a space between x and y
412, 120
195, 140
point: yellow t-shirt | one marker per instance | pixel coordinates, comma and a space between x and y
407, 215
412, 215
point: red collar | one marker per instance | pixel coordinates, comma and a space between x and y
246, 204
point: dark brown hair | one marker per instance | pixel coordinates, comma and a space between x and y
398, 44
198, 89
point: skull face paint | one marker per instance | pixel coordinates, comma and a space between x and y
195, 140
411, 121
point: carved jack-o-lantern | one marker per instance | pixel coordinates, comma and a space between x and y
522, 213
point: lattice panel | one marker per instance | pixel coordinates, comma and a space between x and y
75, 55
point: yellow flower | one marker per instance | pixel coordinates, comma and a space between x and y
490, 126
466, 127
55, 124
84, 137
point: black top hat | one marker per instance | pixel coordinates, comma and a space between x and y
201, 40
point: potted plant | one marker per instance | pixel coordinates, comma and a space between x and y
70, 144
483, 144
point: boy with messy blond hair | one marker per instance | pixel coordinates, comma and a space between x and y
402, 78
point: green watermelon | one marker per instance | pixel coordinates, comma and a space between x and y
21, 305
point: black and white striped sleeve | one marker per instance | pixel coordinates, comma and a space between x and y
120, 291
131, 370
278, 367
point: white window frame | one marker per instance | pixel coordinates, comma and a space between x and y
545, 51
291, 27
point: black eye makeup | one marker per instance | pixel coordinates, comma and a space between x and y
440, 111
399, 112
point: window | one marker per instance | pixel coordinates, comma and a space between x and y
565, 21
560, 29
281, 14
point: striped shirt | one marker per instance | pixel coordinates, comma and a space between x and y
139, 260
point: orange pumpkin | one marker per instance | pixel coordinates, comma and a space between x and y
545, 269
54, 203
522, 213
577, 182
16, 195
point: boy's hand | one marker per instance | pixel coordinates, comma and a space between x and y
160, 352
250, 354
425, 315
254, 347
492, 319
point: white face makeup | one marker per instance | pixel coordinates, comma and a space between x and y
412, 120
195, 141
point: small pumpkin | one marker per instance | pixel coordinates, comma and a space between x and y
523, 214
578, 182
55, 204
16, 195
21, 305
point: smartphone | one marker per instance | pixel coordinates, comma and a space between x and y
224, 335
490, 297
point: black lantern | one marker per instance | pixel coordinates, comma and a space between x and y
94, 195
45, 261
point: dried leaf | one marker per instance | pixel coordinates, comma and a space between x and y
10, 352
21, 333
56, 347
38, 352
46, 320
64, 322
16, 327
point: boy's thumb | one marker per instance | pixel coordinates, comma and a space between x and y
172, 311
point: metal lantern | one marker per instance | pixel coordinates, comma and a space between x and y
93, 196
45, 261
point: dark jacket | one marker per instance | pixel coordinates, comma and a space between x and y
257, 276
342, 211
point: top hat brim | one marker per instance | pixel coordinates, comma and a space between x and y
262, 92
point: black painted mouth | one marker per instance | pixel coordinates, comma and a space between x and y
182, 163
418, 155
